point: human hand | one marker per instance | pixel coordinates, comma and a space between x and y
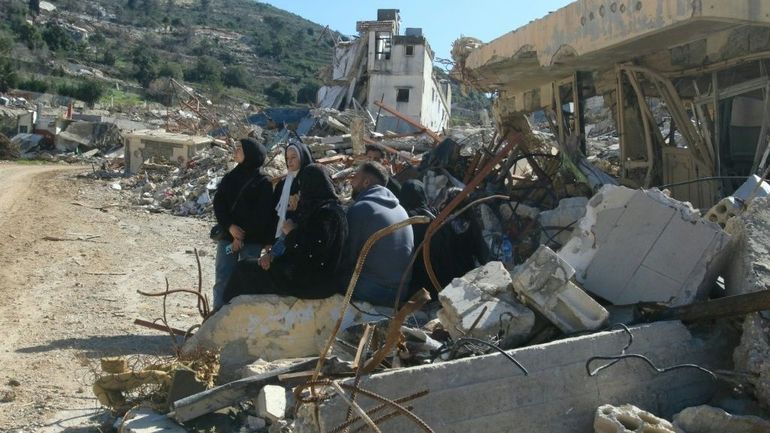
237, 232
264, 261
293, 202
237, 245
288, 226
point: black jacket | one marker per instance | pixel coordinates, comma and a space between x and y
254, 211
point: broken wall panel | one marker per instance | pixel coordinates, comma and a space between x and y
643, 246
490, 394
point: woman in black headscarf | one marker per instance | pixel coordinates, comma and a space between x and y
244, 210
314, 246
298, 157
414, 200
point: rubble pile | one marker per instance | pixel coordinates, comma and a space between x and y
8, 149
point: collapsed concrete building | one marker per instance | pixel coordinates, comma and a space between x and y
704, 62
383, 66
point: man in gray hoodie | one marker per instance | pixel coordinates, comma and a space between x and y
375, 208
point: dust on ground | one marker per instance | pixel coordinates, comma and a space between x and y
66, 303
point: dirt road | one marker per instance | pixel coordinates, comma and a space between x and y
70, 264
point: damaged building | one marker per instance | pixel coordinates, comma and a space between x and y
382, 66
703, 63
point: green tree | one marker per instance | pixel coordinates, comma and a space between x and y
171, 70
206, 70
280, 93
57, 38
8, 78
235, 76
307, 93
34, 84
109, 58
34, 7
145, 66
90, 91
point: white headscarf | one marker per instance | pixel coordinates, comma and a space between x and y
283, 202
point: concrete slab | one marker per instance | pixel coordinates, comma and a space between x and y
544, 283
145, 420
707, 419
489, 286
643, 246
489, 394
567, 214
630, 419
272, 327
271, 403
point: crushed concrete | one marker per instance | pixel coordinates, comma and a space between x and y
558, 223
490, 394
747, 272
707, 419
272, 403
629, 418
489, 286
145, 420
643, 246
734, 205
544, 283
272, 327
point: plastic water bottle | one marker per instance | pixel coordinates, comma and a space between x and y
507, 253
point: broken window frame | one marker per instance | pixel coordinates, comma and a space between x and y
400, 91
383, 44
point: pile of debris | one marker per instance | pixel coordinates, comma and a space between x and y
601, 279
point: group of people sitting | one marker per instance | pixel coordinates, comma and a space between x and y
298, 240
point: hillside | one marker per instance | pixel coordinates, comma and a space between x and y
238, 48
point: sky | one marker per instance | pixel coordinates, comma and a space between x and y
441, 21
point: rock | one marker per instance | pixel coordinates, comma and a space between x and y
749, 271
271, 403
145, 420
280, 426
272, 327
629, 418
558, 223
13, 382
489, 286
544, 283
707, 419
116, 186
643, 246
256, 423
7, 395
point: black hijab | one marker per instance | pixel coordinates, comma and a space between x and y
254, 154
305, 157
315, 189
413, 197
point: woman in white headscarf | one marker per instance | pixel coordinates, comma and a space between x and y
297, 157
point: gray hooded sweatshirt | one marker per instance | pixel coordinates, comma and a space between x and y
374, 209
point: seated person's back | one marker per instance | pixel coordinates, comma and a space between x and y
375, 208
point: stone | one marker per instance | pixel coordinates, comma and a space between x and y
544, 283
490, 394
749, 271
7, 395
271, 402
272, 327
558, 223
145, 420
629, 418
255, 422
184, 384
465, 298
643, 246
707, 419
280, 426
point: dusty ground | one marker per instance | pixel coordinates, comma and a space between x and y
64, 304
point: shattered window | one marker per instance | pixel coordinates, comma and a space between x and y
382, 44
410, 50
402, 95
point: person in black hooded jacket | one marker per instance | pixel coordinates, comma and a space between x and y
314, 245
243, 207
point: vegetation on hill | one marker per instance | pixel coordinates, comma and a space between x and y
238, 48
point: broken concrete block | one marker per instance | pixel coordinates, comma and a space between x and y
707, 419
748, 269
255, 423
543, 282
629, 418
146, 420
490, 394
272, 327
558, 223
465, 298
643, 246
727, 208
271, 403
